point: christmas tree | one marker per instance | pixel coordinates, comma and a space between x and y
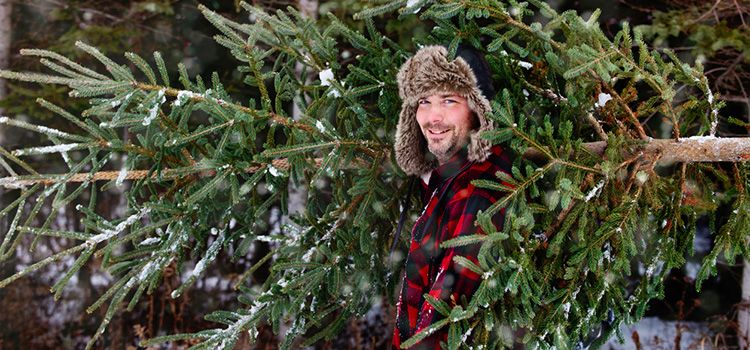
618, 155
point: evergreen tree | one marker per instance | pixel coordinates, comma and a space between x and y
618, 156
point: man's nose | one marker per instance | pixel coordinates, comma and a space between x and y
435, 114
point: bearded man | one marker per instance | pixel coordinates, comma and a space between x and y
445, 108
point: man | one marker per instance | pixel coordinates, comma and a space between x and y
445, 108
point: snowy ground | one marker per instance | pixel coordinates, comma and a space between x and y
654, 333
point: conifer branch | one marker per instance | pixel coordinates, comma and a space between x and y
633, 118
333, 243
697, 149
597, 127
172, 92
505, 17
166, 174
686, 150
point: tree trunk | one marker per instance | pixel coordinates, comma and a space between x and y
743, 311
298, 192
686, 150
5, 40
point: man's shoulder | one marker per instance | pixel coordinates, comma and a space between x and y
499, 160
463, 188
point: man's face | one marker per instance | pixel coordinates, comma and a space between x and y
446, 122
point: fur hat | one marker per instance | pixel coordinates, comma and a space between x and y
430, 72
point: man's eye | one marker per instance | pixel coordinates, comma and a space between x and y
449, 101
423, 102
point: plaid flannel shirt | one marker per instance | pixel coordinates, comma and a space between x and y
452, 205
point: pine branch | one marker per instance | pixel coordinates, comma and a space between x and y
166, 174
686, 150
172, 92
352, 115
697, 149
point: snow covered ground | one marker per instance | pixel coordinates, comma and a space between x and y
654, 333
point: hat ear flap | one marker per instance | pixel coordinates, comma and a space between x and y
410, 144
479, 148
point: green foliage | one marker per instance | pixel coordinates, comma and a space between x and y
575, 219
708, 37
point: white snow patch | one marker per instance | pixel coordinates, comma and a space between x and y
320, 126
150, 241
466, 335
40, 128
699, 139
655, 333
308, 255
602, 99
525, 65
123, 172
183, 96
154, 111
334, 93
326, 77
715, 122
412, 3
47, 149
594, 191
147, 270
274, 172
607, 255
11, 182
641, 177
714, 111
52, 132
107, 234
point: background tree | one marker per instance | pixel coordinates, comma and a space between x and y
714, 35
593, 194
33, 318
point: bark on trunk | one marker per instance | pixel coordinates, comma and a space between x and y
743, 313
686, 150
5, 40
298, 192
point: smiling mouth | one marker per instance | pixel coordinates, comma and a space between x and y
437, 132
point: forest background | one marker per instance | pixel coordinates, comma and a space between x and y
715, 34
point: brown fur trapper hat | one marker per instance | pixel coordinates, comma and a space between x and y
430, 72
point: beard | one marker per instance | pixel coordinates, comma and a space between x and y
443, 148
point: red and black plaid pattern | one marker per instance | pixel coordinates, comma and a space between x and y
452, 205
